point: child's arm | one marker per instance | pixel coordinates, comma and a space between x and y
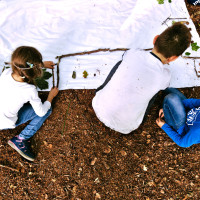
175, 136
53, 93
48, 64
184, 140
191, 103
39, 107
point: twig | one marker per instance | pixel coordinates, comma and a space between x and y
58, 77
9, 168
170, 18
196, 70
53, 77
147, 49
187, 57
91, 52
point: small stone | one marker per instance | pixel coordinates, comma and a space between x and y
151, 183
107, 150
162, 191
93, 161
97, 196
145, 168
123, 153
97, 180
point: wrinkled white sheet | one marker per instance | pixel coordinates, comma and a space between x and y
69, 26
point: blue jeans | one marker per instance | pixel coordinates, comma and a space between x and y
173, 108
26, 113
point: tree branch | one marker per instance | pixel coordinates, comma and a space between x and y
9, 168
91, 52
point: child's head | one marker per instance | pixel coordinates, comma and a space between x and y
27, 62
173, 41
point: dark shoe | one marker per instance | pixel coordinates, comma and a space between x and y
23, 147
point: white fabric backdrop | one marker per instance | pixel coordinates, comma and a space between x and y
57, 27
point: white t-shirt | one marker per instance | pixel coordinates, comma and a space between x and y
13, 96
122, 103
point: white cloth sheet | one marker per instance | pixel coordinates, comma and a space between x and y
57, 27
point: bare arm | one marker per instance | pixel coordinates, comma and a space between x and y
49, 64
53, 93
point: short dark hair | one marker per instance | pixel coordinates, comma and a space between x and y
22, 58
174, 40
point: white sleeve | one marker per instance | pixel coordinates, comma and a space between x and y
39, 107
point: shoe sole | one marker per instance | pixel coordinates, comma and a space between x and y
19, 151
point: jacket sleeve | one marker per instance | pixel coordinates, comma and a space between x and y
181, 138
191, 103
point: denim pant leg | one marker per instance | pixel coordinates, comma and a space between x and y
174, 111
174, 91
27, 113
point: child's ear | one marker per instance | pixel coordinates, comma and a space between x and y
155, 38
172, 58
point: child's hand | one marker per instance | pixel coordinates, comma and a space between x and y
161, 113
48, 64
160, 122
53, 93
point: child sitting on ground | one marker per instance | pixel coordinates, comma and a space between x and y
182, 119
19, 100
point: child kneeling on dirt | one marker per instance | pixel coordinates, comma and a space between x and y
19, 100
182, 119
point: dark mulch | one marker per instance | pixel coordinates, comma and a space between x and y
79, 158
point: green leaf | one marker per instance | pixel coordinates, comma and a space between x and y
41, 83
85, 74
173, 22
169, 1
194, 46
47, 75
74, 75
187, 53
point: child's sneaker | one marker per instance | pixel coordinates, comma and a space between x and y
23, 147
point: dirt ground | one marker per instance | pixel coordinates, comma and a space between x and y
79, 158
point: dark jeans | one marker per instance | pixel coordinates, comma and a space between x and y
173, 108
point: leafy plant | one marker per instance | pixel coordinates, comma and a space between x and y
85, 74
187, 53
41, 82
194, 46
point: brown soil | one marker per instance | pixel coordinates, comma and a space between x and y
79, 158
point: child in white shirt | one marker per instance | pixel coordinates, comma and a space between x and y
19, 100
120, 103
